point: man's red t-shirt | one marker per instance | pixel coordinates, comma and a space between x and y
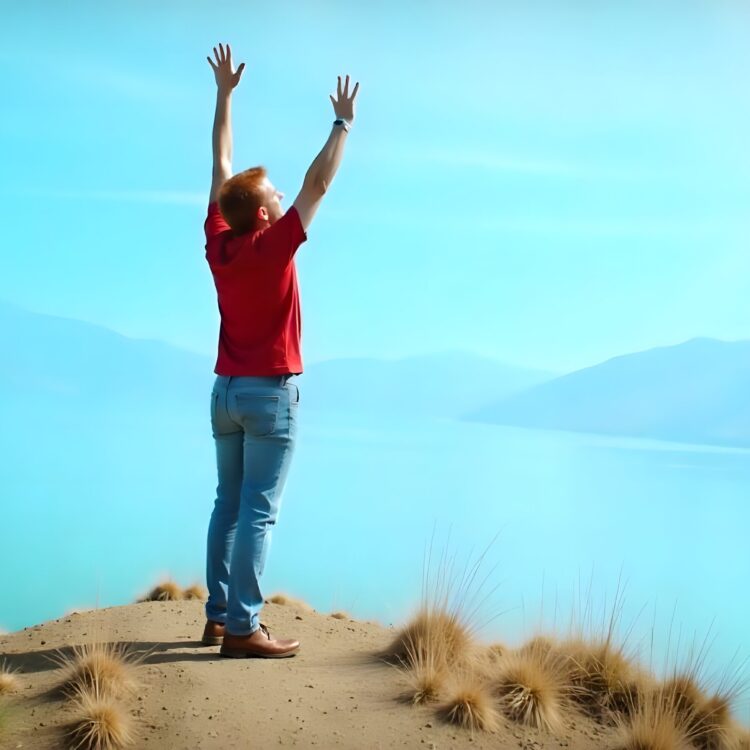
256, 286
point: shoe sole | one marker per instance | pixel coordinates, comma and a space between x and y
213, 640
241, 653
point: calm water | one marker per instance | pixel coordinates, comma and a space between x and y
98, 513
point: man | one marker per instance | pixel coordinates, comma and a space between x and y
250, 248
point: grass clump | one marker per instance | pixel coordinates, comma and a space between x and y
437, 654
166, 591
425, 670
603, 680
706, 719
100, 722
468, 703
443, 627
288, 601
531, 687
431, 636
195, 591
8, 680
651, 725
107, 668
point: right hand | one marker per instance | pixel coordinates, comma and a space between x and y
226, 78
344, 105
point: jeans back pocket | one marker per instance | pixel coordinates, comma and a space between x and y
257, 413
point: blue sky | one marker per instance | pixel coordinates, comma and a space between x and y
550, 184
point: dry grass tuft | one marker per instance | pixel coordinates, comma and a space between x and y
707, 720
425, 671
166, 591
603, 680
430, 637
282, 599
288, 601
469, 703
651, 725
8, 679
100, 722
531, 688
196, 591
340, 615
444, 624
425, 683
107, 668
678, 714
437, 652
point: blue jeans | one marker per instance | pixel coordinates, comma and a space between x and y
254, 425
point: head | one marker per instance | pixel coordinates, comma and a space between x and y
249, 201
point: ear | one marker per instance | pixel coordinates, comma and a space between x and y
262, 213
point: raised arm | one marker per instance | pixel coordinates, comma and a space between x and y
326, 163
221, 138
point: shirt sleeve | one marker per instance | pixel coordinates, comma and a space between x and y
277, 243
214, 223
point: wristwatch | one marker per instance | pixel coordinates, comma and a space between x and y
343, 122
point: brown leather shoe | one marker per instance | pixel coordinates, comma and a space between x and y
258, 643
213, 633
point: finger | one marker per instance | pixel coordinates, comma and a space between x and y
346, 88
216, 55
239, 70
338, 90
333, 101
211, 63
356, 89
223, 55
229, 53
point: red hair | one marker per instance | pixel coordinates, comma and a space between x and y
240, 197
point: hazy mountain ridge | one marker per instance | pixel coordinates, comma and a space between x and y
78, 360
73, 361
697, 391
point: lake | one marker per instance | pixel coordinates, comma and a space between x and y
97, 507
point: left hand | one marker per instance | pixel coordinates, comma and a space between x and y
344, 105
226, 80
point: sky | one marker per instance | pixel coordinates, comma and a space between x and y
549, 184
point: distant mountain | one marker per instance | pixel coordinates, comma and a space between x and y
73, 361
698, 391
59, 361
